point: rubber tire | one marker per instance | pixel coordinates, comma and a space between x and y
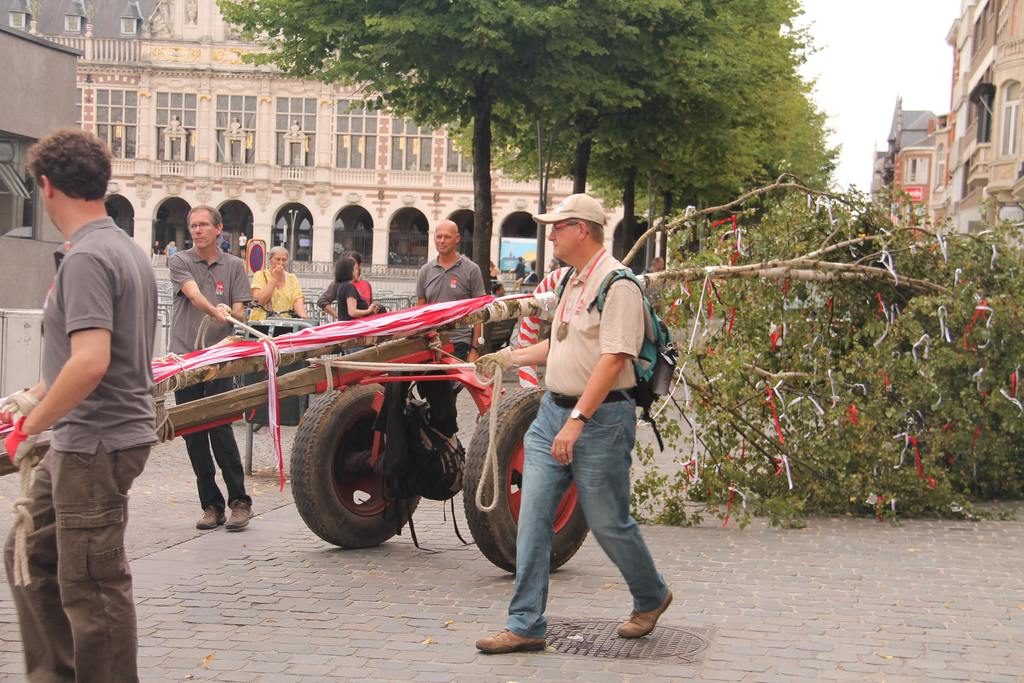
495, 531
325, 428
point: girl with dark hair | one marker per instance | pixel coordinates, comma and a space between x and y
350, 303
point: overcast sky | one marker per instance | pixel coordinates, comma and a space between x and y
868, 53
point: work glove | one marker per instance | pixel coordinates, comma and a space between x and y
486, 364
18, 404
18, 443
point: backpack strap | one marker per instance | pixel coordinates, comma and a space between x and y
598, 302
609, 280
560, 289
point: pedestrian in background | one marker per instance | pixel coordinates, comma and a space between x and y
452, 277
329, 297
77, 615
584, 432
275, 291
209, 282
350, 303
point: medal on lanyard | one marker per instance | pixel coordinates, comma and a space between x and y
563, 321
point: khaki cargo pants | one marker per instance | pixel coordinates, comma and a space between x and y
77, 617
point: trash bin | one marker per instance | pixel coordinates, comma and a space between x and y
291, 408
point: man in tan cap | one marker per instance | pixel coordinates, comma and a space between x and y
584, 431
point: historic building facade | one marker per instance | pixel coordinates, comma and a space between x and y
292, 162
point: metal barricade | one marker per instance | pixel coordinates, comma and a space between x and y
290, 409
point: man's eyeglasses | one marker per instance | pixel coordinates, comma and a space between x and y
564, 224
200, 225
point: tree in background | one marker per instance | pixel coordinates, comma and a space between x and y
454, 63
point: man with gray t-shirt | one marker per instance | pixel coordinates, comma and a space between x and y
75, 607
209, 282
452, 277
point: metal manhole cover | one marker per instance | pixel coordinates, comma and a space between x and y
597, 638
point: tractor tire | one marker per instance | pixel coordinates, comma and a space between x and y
337, 493
495, 531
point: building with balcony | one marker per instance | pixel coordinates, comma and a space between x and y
293, 162
985, 156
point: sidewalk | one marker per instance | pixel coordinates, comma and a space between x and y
844, 599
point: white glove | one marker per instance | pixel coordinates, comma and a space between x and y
18, 404
486, 364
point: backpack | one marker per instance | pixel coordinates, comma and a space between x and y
437, 461
422, 456
655, 364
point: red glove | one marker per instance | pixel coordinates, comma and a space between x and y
19, 443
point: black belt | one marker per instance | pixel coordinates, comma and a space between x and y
563, 401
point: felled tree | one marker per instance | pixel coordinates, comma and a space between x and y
837, 362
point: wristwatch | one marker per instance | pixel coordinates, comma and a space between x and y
577, 415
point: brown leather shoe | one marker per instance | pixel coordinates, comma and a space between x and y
640, 624
212, 518
507, 641
241, 513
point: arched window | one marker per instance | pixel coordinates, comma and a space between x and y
1011, 119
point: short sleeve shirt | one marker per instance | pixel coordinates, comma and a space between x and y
462, 280
618, 329
282, 300
106, 282
221, 282
348, 290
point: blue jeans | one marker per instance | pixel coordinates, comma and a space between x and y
600, 468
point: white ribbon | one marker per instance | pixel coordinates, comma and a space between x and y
789, 474
700, 309
943, 329
942, 246
926, 340
1012, 400
886, 260
832, 386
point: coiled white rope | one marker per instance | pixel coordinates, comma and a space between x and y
23, 525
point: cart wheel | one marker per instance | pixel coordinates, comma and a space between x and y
337, 493
495, 531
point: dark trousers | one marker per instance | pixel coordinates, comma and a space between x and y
219, 440
77, 615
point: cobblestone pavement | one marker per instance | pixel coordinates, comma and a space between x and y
843, 599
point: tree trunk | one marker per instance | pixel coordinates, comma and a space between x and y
580, 165
629, 211
665, 211
482, 219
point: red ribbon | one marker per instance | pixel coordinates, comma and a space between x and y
775, 337
974, 439
917, 457
978, 312
885, 380
732, 321
728, 507
775, 416
1013, 384
881, 304
852, 413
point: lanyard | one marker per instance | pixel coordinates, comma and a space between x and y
562, 318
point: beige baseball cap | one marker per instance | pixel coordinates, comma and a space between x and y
581, 206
